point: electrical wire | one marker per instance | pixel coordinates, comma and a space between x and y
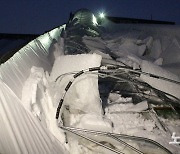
130, 69
117, 136
93, 141
72, 80
91, 71
105, 74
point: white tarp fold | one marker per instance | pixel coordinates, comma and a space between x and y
20, 131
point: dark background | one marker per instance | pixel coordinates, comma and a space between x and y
38, 16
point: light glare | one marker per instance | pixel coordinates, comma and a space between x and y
94, 21
102, 15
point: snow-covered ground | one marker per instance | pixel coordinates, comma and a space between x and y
153, 50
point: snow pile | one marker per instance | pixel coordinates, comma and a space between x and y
116, 98
171, 53
123, 47
151, 52
120, 111
156, 49
82, 107
116, 104
161, 41
136, 120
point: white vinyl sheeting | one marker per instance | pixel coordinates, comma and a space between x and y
20, 131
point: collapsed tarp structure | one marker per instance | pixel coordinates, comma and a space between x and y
20, 131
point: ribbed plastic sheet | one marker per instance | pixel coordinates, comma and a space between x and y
20, 131
15, 71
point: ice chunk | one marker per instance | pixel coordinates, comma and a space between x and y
158, 61
156, 49
117, 98
30, 88
141, 50
147, 41
172, 53
94, 43
94, 122
173, 67
128, 47
139, 107
131, 60
127, 106
37, 99
83, 94
104, 55
166, 86
165, 42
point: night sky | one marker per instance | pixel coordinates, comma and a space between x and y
38, 16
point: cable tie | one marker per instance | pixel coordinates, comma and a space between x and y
154, 76
57, 114
94, 69
59, 107
68, 85
78, 74
112, 67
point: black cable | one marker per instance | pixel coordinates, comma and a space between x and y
127, 79
130, 69
74, 77
122, 136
